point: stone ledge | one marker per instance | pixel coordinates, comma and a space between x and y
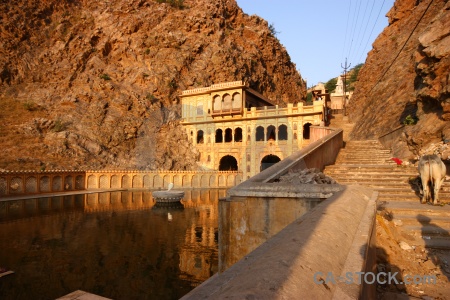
333, 236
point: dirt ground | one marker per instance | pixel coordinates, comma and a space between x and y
394, 254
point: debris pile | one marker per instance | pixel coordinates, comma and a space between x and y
311, 176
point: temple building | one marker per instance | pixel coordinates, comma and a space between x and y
236, 128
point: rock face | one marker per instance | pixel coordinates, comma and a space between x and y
88, 84
407, 74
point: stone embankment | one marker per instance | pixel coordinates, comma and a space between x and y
412, 238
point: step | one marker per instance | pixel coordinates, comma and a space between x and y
414, 208
421, 220
428, 230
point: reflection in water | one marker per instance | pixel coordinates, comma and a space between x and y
245, 223
118, 245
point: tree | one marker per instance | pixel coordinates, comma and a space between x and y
331, 85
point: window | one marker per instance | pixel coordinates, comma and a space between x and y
200, 137
282, 133
219, 138
259, 133
200, 109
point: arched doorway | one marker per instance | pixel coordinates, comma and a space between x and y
268, 161
228, 163
306, 131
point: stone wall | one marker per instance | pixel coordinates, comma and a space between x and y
30, 182
161, 179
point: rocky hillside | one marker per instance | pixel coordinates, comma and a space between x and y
96, 84
406, 78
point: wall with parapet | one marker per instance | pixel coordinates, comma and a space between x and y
161, 179
16, 183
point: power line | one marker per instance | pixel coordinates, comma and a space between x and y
346, 28
401, 49
360, 39
373, 27
360, 27
354, 29
364, 32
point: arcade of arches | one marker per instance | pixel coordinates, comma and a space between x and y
236, 128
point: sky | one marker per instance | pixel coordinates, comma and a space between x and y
320, 35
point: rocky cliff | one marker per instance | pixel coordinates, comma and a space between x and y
96, 84
406, 79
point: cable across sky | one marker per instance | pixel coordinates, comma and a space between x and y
320, 35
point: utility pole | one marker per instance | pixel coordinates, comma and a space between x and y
345, 67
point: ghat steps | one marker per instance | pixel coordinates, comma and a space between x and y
368, 163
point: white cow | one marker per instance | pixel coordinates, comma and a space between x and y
432, 173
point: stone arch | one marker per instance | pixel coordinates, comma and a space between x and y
226, 102
125, 181
238, 134
212, 180
186, 180
237, 101
219, 137
306, 131
259, 136
147, 181
282, 133
177, 181
196, 181
3, 186
92, 182
115, 181
79, 182
231, 180
271, 133
31, 184
68, 182
268, 161
228, 135
157, 181
104, 182
228, 163
200, 138
204, 181
166, 181
222, 180
137, 181
217, 103
57, 183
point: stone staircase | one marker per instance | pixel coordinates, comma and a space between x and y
368, 163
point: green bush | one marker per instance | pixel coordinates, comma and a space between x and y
30, 106
409, 120
59, 126
105, 77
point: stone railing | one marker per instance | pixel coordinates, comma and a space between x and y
279, 112
34, 182
213, 87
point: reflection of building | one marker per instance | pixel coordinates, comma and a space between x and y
198, 260
236, 128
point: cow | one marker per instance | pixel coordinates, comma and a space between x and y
432, 174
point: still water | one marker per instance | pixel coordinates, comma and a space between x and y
118, 245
